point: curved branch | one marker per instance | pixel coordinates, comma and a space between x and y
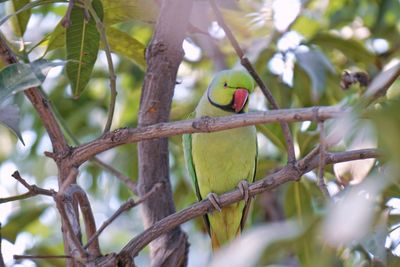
284, 175
122, 136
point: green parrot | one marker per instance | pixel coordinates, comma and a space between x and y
220, 161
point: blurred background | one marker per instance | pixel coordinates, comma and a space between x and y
300, 49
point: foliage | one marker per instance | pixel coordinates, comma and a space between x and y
302, 64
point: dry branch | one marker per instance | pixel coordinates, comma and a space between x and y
122, 136
33, 190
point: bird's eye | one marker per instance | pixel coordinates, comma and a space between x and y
225, 84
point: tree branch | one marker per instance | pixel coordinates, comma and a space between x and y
246, 63
122, 136
33, 190
284, 175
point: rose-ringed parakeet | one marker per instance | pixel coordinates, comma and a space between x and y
220, 161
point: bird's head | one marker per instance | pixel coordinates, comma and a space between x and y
230, 89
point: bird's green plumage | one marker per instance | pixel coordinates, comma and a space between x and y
218, 161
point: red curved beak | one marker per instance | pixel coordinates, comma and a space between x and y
239, 99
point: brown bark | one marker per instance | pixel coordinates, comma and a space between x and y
164, 55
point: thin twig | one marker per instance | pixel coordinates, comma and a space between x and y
113, 77
119, 175
32, 257
129, 204
286, 174
33, 190
246, 63
322, 143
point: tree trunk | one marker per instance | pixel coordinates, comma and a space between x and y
163, 56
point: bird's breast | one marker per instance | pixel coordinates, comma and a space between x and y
224, 158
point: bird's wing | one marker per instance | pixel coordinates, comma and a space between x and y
247, 205
187, 151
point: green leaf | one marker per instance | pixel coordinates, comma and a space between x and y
18, 77
116, 11
53, 40
352, 49
9, 116
302, 87
298, 201
18, 221
274, 134
122, 43
317, 66
20, 21
306, 26
307, 141
83, 40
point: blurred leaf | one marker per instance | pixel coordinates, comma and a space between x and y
56, 39
298, 206
307, 141
122, 43
18, 77
18, 221
352, 49
341, 12
273, 133
9, 116
306, 26
20, 21
298, 201
374, 242
302, 87
355, 171
116, 11
52, 40
82, 40
247, 249
387, 123
381, 83
392, 259
350, 218
317, 66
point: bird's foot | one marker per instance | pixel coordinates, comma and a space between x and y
214, 199
244, 189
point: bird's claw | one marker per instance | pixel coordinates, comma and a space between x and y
244, 189
214, 201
